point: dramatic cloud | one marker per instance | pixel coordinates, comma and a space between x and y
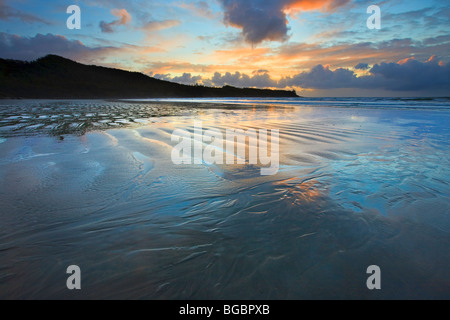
321, 77
407, 75
124, 18
430, 76
412, 75
259, 79
307, 55
267, 19
7, 13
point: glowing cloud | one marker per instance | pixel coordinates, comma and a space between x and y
262, 20
124, 18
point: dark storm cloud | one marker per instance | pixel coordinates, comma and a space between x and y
266, 19
259, 20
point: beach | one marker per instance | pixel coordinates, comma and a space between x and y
360, 182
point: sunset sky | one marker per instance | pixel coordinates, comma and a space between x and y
317, 47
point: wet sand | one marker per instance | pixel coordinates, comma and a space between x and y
356, 187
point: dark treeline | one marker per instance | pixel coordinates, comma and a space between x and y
54, 77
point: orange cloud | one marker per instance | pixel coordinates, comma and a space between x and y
403, 61
266, 20
123, 15
124, 18
308, 5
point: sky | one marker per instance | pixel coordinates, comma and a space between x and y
316, 47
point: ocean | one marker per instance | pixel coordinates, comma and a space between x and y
359, 182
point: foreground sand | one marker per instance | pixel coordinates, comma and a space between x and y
356, 187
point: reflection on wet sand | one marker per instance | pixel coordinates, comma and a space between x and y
348, 194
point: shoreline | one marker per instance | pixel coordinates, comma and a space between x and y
61, 117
